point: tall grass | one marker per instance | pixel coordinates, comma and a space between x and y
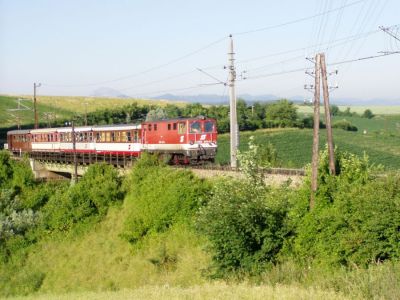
218, 290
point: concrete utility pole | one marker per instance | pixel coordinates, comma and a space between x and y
35, 85
234, 132
315, 154
325, 89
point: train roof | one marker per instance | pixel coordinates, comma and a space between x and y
23, 131
77, 129
179, 119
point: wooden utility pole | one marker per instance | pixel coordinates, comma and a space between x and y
74, 150
232, 95
315, 154
35, 85
325, 89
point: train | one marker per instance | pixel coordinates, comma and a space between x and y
180, 141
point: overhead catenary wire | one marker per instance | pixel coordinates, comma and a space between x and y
144, 71
330, 64
297, 20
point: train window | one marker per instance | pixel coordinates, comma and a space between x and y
169, 126
149, 127
174, 126
85, 136
208, 126
181, 128
90, 137
136, 136
108, 136
155, 126
112, 136
195, 127
128, 136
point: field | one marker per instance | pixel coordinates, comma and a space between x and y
63, 106
376, 109
294, 145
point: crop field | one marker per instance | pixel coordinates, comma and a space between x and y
376, 109
63, 106
294, 145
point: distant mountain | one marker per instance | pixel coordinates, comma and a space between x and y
218, 99
215, 99
108, 93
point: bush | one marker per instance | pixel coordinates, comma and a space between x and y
159, 197
244, 220
244, 225
356, 217
345, 125
99, 188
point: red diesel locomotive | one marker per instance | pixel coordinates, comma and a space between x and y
183, 140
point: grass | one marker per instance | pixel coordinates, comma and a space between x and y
64, 106
218, 290
101, 260
294, 145
376, 109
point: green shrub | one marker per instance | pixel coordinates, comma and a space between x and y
244, 220
99, 188
356, 217
245, 225
159, 197
345, 125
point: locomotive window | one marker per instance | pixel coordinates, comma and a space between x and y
208, 126
195, 127
182, 128
128, 136
155, 126
169, 126
149, 127
112, 136
174, 126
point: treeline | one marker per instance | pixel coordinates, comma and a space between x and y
282, 113
335, 111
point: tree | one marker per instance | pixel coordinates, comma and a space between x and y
368, 114
282, 113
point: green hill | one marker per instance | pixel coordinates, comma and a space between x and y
294, 146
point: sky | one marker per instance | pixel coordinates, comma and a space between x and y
152, 47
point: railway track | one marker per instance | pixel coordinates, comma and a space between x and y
273, 171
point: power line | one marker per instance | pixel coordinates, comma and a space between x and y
298, 20
346, 39
145, 71
331, 64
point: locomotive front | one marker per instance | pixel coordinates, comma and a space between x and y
186, 140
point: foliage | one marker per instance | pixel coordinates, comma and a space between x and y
6, 170
355, 220
345, 125
160, 197
244, 219
99, 188
282, 113
368, 114
156, 114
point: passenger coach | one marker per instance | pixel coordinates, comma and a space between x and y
183, 140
